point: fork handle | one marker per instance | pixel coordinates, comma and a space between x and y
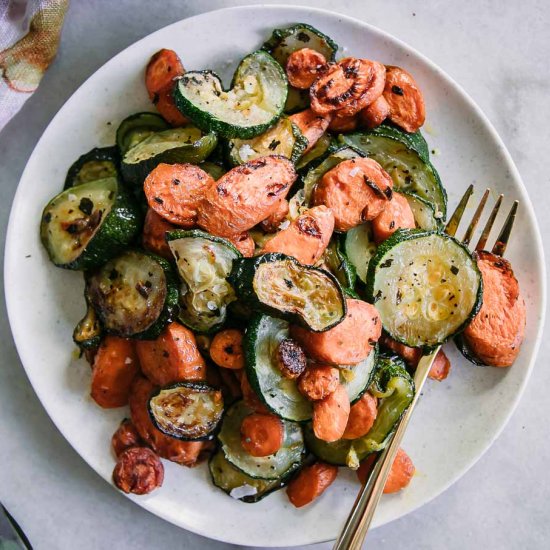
358, 522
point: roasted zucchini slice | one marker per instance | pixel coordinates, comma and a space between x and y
276, 466
426, 287
339, 265
97, 164
88, 331
359, 247
405, 161
357, 378
317, 154
282, 139
134, 294
464, 348
253, 104
296, 100
177, 145
279, 394
214, 169
204, 263
237, 484
279, 285
186, 410
135, 128
424, 213
84, 226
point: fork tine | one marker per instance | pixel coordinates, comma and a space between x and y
489, 225
502, 239
475, 220
454, 222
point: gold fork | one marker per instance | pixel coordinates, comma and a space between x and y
360, 517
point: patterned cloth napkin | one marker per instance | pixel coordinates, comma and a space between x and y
29, 36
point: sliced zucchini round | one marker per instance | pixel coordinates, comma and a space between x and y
97, 164
282, 139
406, 162
253, 104
88, 331
84, 226
464, 348
426, 286
204, 263
287, 459
237, 484
135, 128
296, 100
423, 212
186, 410
359, 247
357, 378
316, 154
280, 394
177, 145
134, 294
290, 39
335, 452
339, 265
279, 285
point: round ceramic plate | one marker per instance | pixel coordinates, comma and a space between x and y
456, 420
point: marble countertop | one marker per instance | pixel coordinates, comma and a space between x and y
498, 51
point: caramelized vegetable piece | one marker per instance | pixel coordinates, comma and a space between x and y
154, 232
410, 355
244, 243
496, 332
361, 417
125, 437
343, 123
246, 195
349, 342
164, 102
161, 70
330, 416
250, 397
441, 367
261, 434
318, 382
401, 472
172, 357
226, 349
291, 359
374, 114
175, 192
312, 125
303, 67
115, 366
396, 215
139, 471
406, 103
306, 238
310, 483
356, 190
348, 86
273, 221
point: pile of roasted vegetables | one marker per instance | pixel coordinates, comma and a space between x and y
264, 265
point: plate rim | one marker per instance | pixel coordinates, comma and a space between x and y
9, 252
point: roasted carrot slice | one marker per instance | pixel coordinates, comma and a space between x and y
406, 102
226, 349
273, 221
115, 366
175, 191
330, 415
250, 397
244, 243
410, 355
347, 87
401, 472
303, 67
172, 357
154, 231
441, 367
261, 434
312, 125
310, 483
396, 215
343, 123
361, 417
125, 437
164, 102
374, 114
318, 382
161, 70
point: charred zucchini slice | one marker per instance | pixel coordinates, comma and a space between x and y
134, 294
204, 263
135, 128
97, 164
287, 459
426, 286
186, 410
281, 286
252, 105
424, 213
282, 139
84, 226
88, 331
359, 247
279, 394
177, 145
466, 351
237, 484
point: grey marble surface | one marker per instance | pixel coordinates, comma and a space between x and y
498, 51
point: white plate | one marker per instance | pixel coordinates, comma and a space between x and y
457, 419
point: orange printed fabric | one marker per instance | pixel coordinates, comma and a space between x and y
29, 37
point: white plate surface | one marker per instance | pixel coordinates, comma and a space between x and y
456, 420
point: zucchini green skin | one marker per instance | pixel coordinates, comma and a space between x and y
198, 233
117, 231
467, 352
135, 128
403, 235
324, 146
296, 100
415, 201
356, 396
359, 246
339, 264
88, 332
242, 280
209, 122
100, 154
